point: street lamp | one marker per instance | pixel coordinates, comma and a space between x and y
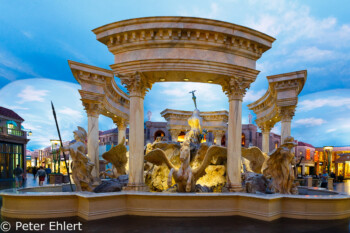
56, 157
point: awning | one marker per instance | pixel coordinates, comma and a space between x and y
11, 122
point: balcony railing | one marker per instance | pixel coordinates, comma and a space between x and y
14, 132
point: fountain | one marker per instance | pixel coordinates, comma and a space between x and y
238, 180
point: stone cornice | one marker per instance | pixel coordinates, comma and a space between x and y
282, 95
99, 88
160, 70
212, 121
183, 28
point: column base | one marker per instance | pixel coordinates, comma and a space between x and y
136, 187
234, 187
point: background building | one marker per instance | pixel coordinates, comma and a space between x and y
13, 141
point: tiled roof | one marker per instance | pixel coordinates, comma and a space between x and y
115, 130
10, 114
305, 144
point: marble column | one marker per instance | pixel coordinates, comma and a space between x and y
286, 114
265, 141
121, 124
218, 134
93, 143
235, 89
174, 134
266, 129
137, 86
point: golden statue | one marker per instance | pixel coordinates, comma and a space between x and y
118, 158
279, 168
185, 177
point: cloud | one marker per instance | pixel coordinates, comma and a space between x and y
9, 61
212, 12
332, 101
27, 34
70, 112
30, 94
252, 96
331, 130
309, 122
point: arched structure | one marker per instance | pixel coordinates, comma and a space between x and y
100, 95
158, 49
278, 104
213, 121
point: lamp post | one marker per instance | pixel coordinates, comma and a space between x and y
328, 150
55, 153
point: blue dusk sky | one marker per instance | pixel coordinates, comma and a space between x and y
38, 37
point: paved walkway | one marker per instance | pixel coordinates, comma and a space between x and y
343, 187
30, 182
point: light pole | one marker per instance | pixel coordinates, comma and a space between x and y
55, 153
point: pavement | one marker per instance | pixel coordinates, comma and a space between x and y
29, 182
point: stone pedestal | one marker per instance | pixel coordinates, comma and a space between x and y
308, 181
330, 184
303, 170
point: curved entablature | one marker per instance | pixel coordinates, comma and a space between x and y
280, 99
99, 92
212, 121
184, 49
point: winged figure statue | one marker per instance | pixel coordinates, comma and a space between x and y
185, 177
117, 157
81, 164
257, 159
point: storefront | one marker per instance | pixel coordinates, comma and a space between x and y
342, 165
11, 155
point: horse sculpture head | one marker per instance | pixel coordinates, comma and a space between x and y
185, 151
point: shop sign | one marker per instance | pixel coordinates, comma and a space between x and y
316, 156
307, 154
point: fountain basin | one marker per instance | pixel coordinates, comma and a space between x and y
92, 206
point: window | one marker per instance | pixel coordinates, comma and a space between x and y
243, 139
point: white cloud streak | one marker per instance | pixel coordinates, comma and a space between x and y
30, 94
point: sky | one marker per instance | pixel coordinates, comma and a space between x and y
38, 37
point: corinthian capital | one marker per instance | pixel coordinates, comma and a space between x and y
235, 88
92, 109
137, 84
266, 126
286, 113
120, 122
